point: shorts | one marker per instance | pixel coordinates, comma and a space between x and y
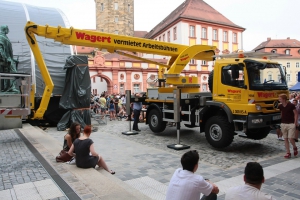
288, 130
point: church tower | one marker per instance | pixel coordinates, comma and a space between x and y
115, 16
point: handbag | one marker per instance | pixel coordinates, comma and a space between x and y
63, 156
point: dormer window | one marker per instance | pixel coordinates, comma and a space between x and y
299, 51
274, 51
287, 52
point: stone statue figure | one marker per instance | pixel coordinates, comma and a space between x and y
7, 63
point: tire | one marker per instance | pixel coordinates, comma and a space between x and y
155, 121
219, 132
210, 80
258, 133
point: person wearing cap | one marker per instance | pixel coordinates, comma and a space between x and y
254, 178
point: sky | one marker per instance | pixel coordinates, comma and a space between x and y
277, 19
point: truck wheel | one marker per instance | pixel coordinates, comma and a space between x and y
155, 120
258, 133
218, 132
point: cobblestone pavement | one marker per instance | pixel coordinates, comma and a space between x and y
21, 174
144, 162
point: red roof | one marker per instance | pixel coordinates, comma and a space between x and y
139, 34
278, 43
193, 10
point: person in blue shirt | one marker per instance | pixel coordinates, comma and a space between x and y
137, 107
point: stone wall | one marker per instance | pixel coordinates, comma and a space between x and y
108, 11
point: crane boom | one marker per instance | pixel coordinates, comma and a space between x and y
179, 54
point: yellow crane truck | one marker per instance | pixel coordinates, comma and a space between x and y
244, 88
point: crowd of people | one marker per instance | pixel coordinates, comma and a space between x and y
184, 184
114, 106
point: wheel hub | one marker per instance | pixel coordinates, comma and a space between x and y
154, 121
215, 132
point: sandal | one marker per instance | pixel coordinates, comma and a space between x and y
287, 155
295, 151
112, 172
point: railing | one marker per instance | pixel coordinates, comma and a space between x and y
15, 94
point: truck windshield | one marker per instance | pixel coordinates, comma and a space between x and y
265, 76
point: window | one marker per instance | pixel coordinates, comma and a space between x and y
116, 19
203, 33
204, 87
116, 32
192, 31
297, 64
279, 78
233, 75
288, 65
225, 36
288, 77
116, 6
122, 88
203, 62
168, 36
215, 34
269, 77
164, 36
192, 61
136, 88
234, 38
287, 52
128, 8
159, 39
274, 51
101, 7
174, 33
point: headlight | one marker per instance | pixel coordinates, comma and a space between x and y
258, 107
257, 121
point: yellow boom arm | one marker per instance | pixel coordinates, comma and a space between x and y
180, 55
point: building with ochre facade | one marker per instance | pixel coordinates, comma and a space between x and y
291, 62
192, 22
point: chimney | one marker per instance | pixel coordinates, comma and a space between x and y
268, 39
288, 38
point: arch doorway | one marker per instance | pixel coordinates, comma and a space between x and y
101, 83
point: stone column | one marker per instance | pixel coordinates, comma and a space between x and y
128, 80
144, 81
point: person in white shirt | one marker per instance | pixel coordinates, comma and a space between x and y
254, 178
187, 185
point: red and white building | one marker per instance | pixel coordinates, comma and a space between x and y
193, 22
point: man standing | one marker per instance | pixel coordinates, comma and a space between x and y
254, 178
137, 107
186, 185
289, 122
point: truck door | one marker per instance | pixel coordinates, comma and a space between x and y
232, 89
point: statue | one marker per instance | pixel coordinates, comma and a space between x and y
7, 63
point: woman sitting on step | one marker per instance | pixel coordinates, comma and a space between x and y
86, 156
72, 135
